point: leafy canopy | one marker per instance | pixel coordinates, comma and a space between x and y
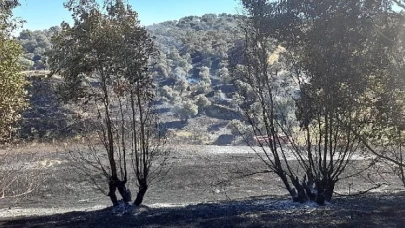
12, 82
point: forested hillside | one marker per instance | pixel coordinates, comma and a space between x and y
36, 44
191, 70
190, 49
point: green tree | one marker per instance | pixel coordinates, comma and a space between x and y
205, 75
185, 110
36, 44
12, 82
108, 45
385, 107
332, 72
181, 85
202, 102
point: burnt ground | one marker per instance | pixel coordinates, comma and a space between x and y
207, 186
375, 210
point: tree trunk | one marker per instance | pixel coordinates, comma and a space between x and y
325, 190
329, 191
301, 193
320, 197
309, 187
322, 187
124, 192
112, 188
141, 193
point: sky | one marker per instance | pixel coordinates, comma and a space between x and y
42, 14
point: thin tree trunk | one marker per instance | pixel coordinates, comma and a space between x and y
301, 192
111, 193
124, 192
141, 193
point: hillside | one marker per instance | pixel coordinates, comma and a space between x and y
192, 73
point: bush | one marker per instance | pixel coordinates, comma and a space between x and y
186, 110
12, 87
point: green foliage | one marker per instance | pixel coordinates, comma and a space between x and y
105, 57
26, 64
334, 50
188, 47
7, 23
195, 50
110, 47
12, 82
185, 110
238, 127
202, 102
172, 95
36, 45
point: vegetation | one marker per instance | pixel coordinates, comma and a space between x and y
12, 82
113, 51
36, 44
192, 60
309, 85
335, 75
384, 137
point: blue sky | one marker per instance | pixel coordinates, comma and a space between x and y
42, 14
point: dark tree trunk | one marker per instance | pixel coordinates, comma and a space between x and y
301, 193
309, 186
124, 192
141, 193
325, 189
320, 197
329, 191
112, 188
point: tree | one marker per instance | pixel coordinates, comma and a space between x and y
12, 82
205, 75
106, 45
36, 44
223, 73
181, 85
332, 74
384, 137
16, 177
202, 102
172, 95
185, 110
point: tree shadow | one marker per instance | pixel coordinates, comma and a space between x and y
172, 125
370, 211
217, 127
